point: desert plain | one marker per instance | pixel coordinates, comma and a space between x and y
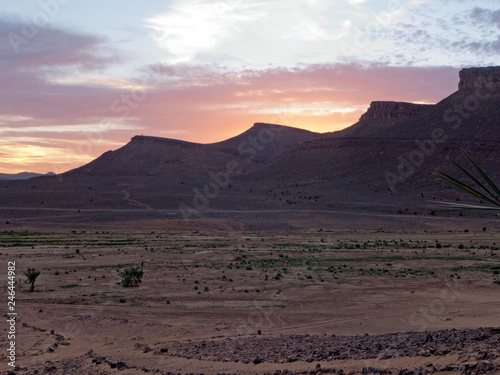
256, 301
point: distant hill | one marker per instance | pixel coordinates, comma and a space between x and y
268, 140
23, 175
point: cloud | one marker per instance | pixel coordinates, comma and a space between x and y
438, 34
259, 33
485, 16
242, 32
26, 73
50, 47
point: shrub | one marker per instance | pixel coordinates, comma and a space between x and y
31, 276
132, 276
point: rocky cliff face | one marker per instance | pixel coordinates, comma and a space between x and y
480, 77
394, 111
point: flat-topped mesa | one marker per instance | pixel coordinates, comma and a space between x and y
149, 139
146, 138
394, 110
480, 77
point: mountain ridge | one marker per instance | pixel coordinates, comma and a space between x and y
384, 165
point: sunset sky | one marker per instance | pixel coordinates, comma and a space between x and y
79, 78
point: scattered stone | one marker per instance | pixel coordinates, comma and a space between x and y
487, 365
464, 358
369, 369
113, 363
97, 360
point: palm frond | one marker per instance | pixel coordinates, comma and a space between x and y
485, 177
490, 192
463, 206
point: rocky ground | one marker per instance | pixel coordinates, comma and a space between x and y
478, 352
481, 343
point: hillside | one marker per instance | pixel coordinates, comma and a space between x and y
268, 140
389, 156
154, 156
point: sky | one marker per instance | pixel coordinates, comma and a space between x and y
79, 78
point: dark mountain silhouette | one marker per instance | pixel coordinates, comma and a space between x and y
268, 140
384, 163
154, 156
23, 175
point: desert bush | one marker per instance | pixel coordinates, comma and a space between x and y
31, 276
132, 276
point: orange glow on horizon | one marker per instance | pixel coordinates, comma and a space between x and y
27, 158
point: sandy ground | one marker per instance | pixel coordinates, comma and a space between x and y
212, 286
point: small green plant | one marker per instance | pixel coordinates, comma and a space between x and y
69, 286
132, 276
31, 276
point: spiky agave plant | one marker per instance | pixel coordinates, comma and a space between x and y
486, 191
